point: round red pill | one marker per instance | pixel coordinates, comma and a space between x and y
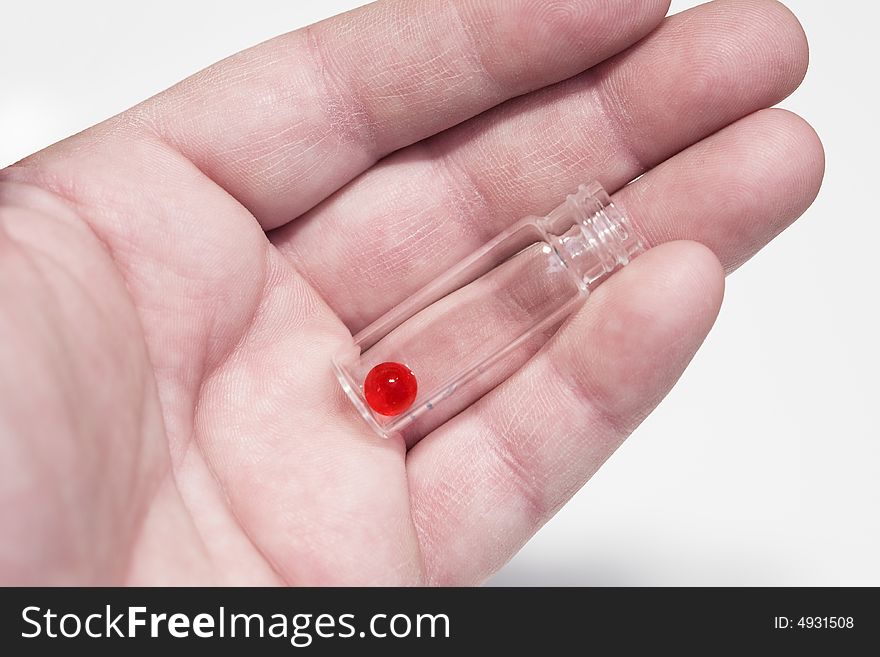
390, 388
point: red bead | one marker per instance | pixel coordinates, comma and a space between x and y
390, 388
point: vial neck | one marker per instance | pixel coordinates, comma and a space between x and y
590, 235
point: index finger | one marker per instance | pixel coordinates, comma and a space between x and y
285, 123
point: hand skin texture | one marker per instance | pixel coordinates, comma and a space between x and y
175, 280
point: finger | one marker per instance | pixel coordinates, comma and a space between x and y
734, 191
285, 123
487, 480
400, 224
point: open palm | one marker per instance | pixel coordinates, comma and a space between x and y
175, 281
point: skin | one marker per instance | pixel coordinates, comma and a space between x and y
175, 281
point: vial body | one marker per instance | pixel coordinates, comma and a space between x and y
470, 328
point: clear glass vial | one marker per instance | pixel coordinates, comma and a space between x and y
463, 333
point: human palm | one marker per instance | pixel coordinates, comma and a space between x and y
175, 281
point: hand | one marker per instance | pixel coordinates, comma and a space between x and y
175, 281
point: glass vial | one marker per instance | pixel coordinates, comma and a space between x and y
463, 333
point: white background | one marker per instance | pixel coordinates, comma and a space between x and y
763, 465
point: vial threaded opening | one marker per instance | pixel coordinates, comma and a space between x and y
591, 235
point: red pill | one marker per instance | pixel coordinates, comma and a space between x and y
390, 388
